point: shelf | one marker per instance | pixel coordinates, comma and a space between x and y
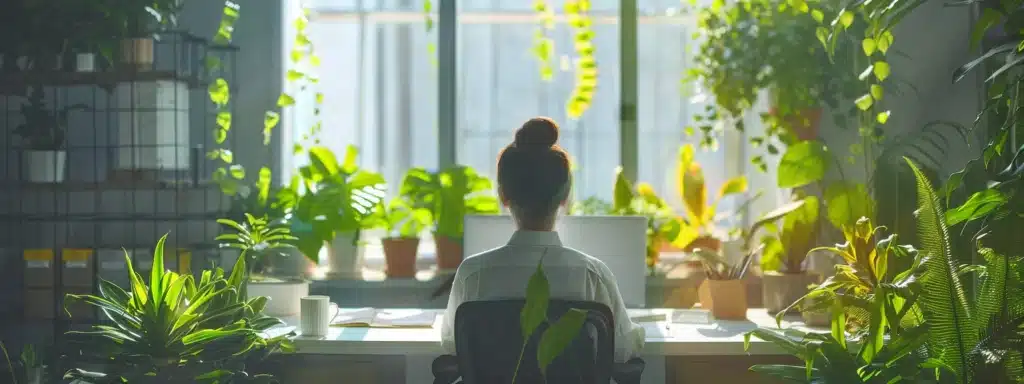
79, 217
131, 185
17, 83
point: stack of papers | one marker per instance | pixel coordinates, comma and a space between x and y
385, 318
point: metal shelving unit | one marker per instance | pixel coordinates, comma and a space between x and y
135, 170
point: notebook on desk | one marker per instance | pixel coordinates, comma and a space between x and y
384, 318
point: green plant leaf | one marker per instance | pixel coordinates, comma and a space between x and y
869, 46
847, 202
559, 336
881, 70
877, 92
883, 117
846, 18
978, 205
803, 163
864, 102
538, 293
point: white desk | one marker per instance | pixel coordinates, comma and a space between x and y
421, 346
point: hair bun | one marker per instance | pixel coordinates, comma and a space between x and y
537, 133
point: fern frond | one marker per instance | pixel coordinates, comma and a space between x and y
943, 298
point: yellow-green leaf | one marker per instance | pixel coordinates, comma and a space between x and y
237, 171
881, 70
270, 120
877, 92
219, 92
818, 16
538, 294
285, 100
869, 46
822, 34
846, 18
864, 102
883, 117
884, 41
733, 186
803, 163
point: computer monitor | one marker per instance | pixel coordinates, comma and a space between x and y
619, 241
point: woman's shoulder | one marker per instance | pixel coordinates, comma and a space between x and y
594, 264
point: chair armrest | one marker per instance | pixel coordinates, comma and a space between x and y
628, 372
445, 369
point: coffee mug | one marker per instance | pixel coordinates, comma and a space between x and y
315, 316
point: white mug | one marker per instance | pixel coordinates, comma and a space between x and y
316, 313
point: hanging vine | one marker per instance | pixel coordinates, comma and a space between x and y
577, 12
543, 45
229, 175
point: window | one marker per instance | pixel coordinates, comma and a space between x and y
379, 76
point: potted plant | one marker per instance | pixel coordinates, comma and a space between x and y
697, 227
137, 22
44, 157
750, 46
337, 199
403, 224
171, 328
724, 285
261, 243
662, 223
450, 195
784, 276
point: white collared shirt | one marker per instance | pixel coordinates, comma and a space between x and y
502, 273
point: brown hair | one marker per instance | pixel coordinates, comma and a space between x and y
533, 171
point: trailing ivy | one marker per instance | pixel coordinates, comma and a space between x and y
229, 175
543, 45
586, 64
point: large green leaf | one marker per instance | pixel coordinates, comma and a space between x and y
848, 202
559, 336
535, 310
803, 163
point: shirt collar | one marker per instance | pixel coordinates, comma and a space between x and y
545, 238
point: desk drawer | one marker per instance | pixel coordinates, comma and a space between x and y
721, 369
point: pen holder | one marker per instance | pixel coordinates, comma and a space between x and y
728, 299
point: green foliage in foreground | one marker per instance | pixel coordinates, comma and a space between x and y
956, 338
175, 329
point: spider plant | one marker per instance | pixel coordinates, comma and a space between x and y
175, 329
258, 239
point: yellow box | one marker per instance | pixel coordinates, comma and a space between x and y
39, 268
79, 270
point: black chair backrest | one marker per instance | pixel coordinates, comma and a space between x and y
489, 341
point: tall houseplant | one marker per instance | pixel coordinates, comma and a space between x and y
784, 275
450, 195
337, 197
43, 133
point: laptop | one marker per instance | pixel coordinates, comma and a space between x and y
619, 241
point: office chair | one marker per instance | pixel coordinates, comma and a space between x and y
488, 343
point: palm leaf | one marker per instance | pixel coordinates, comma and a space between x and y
943, 298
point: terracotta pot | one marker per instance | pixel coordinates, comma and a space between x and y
729, 298
780, 290
449, 252
400, 256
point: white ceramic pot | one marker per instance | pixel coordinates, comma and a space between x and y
284, 296
345, 257
44, 166
85, 62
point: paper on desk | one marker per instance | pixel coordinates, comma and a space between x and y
385, 318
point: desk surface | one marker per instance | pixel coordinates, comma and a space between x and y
663, 337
